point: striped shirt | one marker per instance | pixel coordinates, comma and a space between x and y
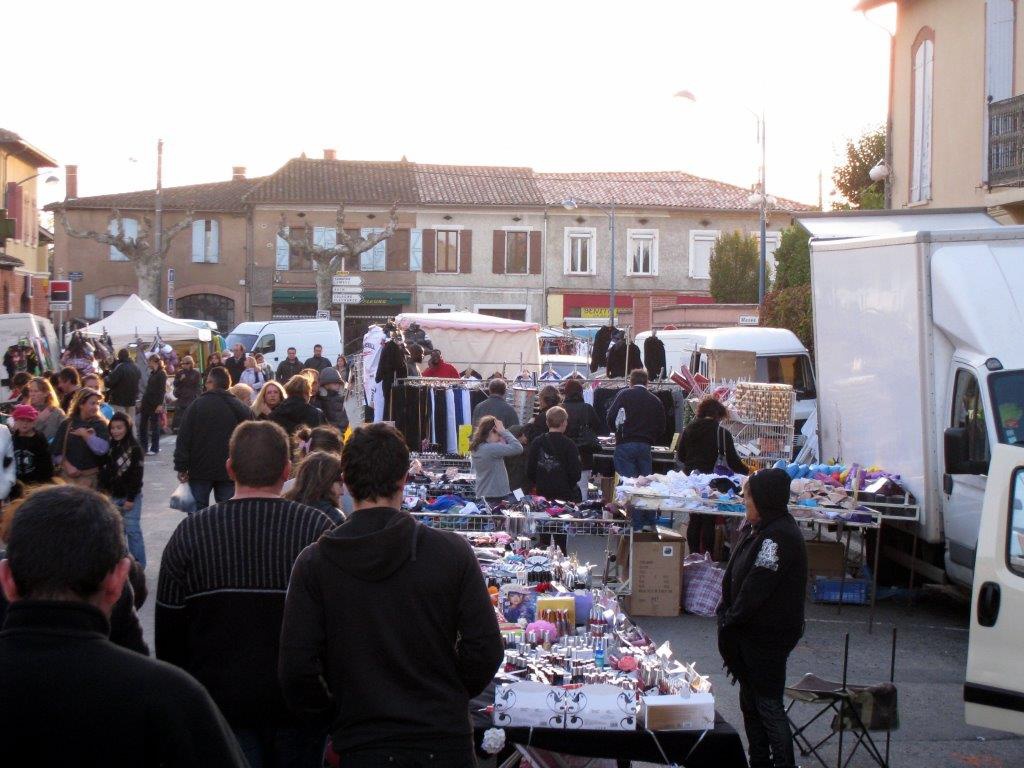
220, 599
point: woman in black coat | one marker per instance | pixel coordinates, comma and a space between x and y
700, 445
584, 423
152, 406
187, 384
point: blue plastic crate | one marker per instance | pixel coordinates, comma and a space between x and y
827, 589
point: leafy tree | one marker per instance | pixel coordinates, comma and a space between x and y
790, 308
852, 179
734, 269
793, 258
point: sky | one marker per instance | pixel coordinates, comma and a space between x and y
560, 85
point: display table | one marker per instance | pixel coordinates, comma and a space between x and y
718, 748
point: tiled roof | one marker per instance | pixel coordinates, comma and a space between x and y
476, 185
219, 196
8, 137
336, 181
658, 189
32, 154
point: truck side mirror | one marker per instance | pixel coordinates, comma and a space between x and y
955, 446
808, 393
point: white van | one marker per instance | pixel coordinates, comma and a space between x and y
273, 337
780, 358
37, 332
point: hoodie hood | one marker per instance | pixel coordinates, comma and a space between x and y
373, 544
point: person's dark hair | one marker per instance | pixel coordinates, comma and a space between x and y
318, 346
64, 540
219, 376
415, 352
638, 376
129, 434
497, 387
548, 397
69, 375
158, 360
572, 387
315, 479
483, 431
81, 397
710, 408
375, 462
298, 386
258, 452
53, 378
20, 379
123, 355
323, 438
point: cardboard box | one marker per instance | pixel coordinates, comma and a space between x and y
657, 573
695, 712
589, 707
824, 558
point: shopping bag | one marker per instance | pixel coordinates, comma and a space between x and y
182, 499
702, 584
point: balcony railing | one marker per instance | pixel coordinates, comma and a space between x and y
1006, 142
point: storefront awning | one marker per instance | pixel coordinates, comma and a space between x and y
295, 296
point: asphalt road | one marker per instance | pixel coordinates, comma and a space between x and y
931, 654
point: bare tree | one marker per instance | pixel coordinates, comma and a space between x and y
328, 260
139, 250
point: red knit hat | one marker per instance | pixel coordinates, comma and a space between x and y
25, 412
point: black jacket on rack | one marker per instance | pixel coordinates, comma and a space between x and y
623, 358
599, 352
654, 358
391, 366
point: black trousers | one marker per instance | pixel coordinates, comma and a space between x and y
700, 533
767, 727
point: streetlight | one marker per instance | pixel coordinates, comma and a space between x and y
571, 204
759, 197
51, 179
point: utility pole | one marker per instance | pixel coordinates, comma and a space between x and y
159, 205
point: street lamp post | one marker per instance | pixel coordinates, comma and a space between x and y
571, 204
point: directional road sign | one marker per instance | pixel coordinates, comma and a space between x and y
347, 298
346, 280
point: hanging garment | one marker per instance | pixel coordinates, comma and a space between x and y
654, 357
623, 358
588, 394
668, 404
599, 354
373, 343
452, 432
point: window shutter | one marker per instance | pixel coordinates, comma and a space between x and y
198, 240
535, 255
466, 251
498, 255
926, 144
429, 251
14, 202
282, 255
398, 251
214, 253
415, 250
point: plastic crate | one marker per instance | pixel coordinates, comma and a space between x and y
827, 589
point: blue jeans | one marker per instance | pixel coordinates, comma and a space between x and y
282, 746
149, 430
633, 459
222, 491
133, 528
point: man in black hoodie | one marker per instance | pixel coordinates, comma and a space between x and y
761, 616
388, 628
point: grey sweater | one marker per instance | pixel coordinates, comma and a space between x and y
489, 465
496, 406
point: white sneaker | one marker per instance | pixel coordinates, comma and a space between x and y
151, 453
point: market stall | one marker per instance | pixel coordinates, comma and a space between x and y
483, 342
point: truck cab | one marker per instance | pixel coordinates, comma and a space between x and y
994, 685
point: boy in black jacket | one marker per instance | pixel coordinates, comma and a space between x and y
388, 628
32, 461
553, 463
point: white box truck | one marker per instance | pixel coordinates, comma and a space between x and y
919, 348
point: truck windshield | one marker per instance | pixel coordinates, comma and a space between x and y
1008, 405
794, 370
245, 339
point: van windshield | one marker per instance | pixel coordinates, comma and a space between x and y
794, 370
245, 339
1008, 405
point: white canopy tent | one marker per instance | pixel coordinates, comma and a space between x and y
468, 339
138, 319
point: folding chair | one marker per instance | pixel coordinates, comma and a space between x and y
859, 709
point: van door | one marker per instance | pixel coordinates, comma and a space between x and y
994, 688
267, 346
967, 459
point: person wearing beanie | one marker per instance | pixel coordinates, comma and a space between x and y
32, 461
761, 616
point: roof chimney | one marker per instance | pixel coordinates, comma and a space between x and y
70, 182
330, 154
238, 173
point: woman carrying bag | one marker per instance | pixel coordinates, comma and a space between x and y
707, 447
82, 440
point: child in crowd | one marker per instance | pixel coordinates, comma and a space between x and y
553, 462
32, 461
95, 381
332, 401
121, 479
318, 484
309, 440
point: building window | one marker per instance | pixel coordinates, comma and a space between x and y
205, 241
375, 259
580, 256
447, 253
415, 250
921, 144
208, 306
92, 307
131, 232
702, 244
283, 254
643, 252
505, 311
517, 253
